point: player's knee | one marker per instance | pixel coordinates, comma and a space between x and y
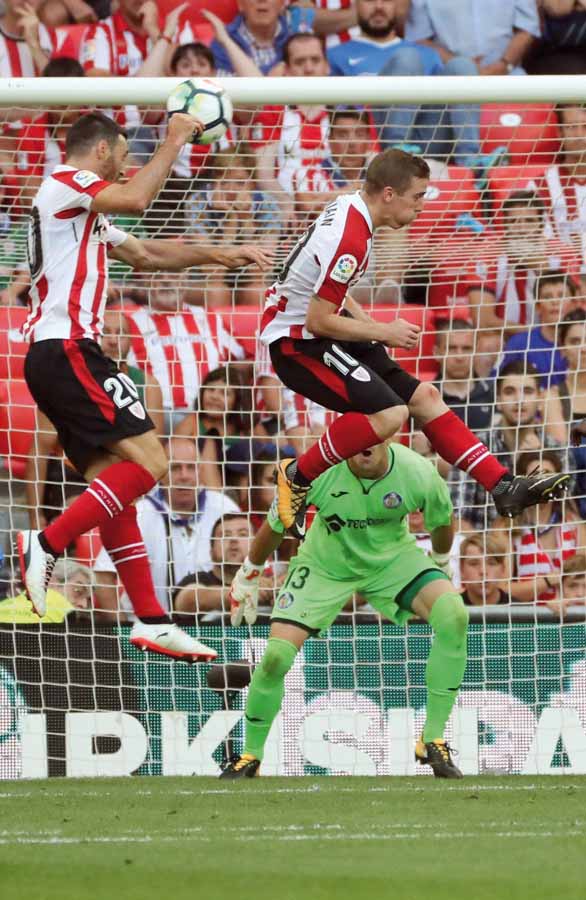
425, 398
453, 623
277, 660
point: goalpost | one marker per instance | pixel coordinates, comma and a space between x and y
75, 698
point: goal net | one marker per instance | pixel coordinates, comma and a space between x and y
493, 271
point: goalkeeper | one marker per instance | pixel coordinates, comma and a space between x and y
360, 543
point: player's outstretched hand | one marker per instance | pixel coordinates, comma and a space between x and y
243, 595
402, 334
244, 255
183, 127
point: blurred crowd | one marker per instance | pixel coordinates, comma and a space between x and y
494, 271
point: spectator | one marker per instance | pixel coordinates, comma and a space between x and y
222, 425
25, 43
519, 401
489, 342
178, 344
493, 35
501, 282
566, 401
262, 486
205, 593
70, 593
289, 140
176, 523
239, 61
379, 50
549, 535
69, 12
564, 39
229, 205
263, 28
342, 170
574, 580
131, 43
539, 345
470, 398
482, 571
565, 181
41, 142
49, 478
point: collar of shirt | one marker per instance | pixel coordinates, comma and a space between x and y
362, 208
181, 520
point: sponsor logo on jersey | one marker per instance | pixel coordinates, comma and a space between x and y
344, 269
392, 500
285, 600
335, 523
84, 178
338, 494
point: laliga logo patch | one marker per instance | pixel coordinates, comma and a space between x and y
344, 269
84, 179
285, 600
392, 500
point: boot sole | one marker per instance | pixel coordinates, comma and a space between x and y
144, 644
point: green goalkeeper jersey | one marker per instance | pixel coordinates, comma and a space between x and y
362, 523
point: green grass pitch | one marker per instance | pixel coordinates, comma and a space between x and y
293, 839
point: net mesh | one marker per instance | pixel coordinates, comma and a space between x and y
477, 269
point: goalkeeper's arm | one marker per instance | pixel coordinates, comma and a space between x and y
442, 539
243, 595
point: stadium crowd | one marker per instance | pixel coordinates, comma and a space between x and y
494, 271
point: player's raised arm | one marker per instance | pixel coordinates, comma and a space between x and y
244, 589
324, 322
138, 193
171, 256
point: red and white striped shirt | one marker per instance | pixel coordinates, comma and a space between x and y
328, 258
67, 252
533, 560
567, 203
38, 152
114, 46
302, 139
179, 349
332, 40
16, 60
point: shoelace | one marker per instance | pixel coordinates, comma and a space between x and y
445, 750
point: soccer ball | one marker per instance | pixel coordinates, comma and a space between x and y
207, 100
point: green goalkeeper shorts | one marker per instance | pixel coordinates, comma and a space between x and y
312, 600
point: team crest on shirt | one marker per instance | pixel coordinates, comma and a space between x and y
392, 500
84, 178
285, 600
344, 269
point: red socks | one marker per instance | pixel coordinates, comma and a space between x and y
457, 445
122, 539
345, 437
105, 498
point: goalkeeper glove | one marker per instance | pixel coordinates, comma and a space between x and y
443, 562
243, 595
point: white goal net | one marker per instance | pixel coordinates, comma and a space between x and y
494, 273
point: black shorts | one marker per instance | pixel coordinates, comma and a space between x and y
345, 376
88, 399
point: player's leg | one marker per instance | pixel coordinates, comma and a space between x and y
335, 377
411, 584
307, 604
455, 443
265, 696
442, 606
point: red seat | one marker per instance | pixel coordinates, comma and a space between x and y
529, 131
505, 180
12, 347
17, 424
445, 200
243, 322
420, 361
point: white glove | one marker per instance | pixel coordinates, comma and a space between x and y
243, 595
443, 562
